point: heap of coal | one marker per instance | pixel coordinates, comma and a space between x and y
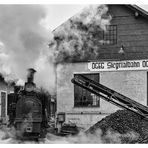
123, 122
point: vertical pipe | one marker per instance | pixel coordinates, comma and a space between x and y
30, 77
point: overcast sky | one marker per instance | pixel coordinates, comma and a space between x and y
58, 14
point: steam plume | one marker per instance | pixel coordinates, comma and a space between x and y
8, 135
24, 43
79, 38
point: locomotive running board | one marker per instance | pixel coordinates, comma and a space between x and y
110, 95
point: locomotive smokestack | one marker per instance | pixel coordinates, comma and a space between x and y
30, 77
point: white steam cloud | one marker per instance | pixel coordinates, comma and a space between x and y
24, 44
8, 135
94, 14
79, 38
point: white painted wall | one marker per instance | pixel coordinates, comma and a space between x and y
132, 84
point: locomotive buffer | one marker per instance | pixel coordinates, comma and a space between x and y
110, 95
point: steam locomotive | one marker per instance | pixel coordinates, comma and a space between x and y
28, 110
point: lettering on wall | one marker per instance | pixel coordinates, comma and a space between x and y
118, 65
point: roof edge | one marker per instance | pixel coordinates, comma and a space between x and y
139, 10
132, 7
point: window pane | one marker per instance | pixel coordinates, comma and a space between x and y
3, 104
110, 35
84, 98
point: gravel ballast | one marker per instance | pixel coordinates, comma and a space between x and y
128, 126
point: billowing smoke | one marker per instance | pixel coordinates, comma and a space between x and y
24, 44
79, 38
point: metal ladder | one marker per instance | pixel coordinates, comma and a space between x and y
110, 95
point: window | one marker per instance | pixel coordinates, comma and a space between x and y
110, 36
84, 98
3, 103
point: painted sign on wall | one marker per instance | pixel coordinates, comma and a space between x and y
118, 65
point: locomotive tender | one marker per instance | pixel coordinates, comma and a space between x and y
28, 110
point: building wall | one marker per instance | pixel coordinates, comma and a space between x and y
132, 84
132, 33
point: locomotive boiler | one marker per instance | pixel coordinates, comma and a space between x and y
28, 110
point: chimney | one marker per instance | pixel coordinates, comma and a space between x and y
30, 76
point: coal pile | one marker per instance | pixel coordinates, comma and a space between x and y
129, 126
